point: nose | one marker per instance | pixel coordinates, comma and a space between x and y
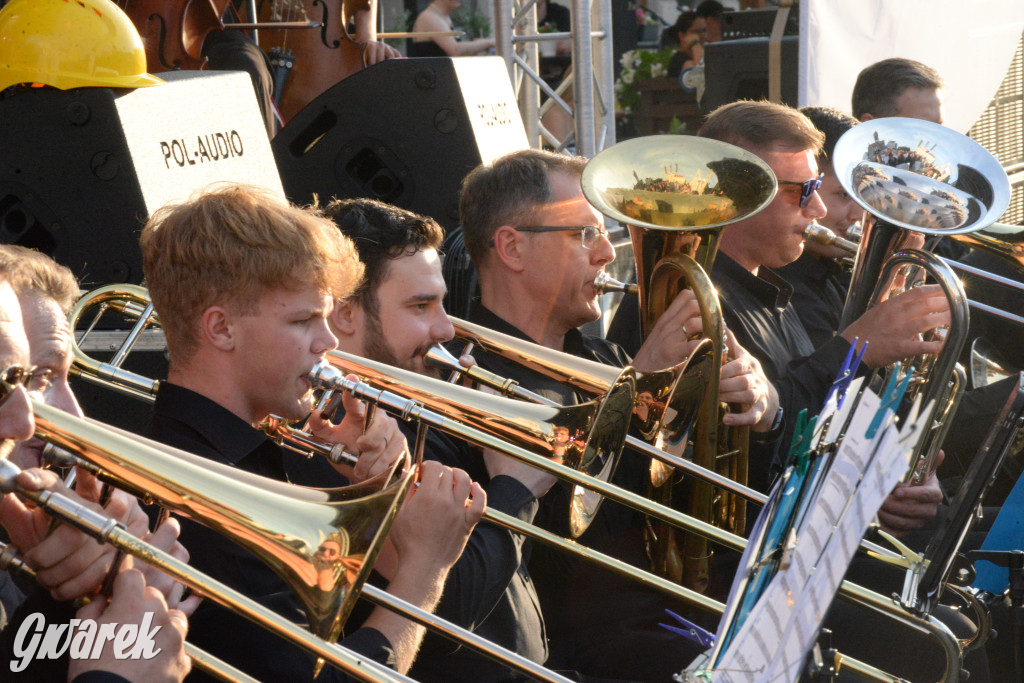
442, 330
815, 208
603, 252
324, 340
60, 396
16, 420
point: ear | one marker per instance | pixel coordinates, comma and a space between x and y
216, 328
866, 116
343, 319
509, 248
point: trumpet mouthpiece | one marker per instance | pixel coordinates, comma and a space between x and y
819, 234
605, 283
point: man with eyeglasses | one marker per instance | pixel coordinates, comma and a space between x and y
538, 245
130, 597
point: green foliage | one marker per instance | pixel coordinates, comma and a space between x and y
639, 65
475, 24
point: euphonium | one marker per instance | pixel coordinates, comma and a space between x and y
918, 179
676, 194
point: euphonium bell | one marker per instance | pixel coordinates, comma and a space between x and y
675, 194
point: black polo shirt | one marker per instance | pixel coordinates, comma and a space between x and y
757, 309
819, 294
185, 420
599, 623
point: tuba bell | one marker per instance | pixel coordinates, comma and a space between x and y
675, 194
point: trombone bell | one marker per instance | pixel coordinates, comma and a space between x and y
322, 542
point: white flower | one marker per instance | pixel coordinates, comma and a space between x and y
658, 70
627, 77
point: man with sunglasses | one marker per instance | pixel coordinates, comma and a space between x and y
756, 300
538, 246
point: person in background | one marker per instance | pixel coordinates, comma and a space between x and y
712, 11
898, 87
689, 33
436, 17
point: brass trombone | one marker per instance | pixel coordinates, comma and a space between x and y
243, 507
284, 523
444, 407
10, 560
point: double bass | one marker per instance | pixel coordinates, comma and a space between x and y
307, 63
173, 31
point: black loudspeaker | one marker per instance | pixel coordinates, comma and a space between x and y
67, 185
81, 170
738, 70
405, 132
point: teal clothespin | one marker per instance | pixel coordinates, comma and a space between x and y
803, 437
891, 397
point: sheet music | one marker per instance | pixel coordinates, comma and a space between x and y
780, 629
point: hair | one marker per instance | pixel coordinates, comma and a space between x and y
508, 191
760, 126
381, 233
670, 36
832, 123
711, 9
31, 271
231, 245
879, 86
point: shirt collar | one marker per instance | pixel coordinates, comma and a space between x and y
767, 286
481, 315
230, 435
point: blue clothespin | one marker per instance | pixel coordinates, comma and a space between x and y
705, 639
847, 372
891, 397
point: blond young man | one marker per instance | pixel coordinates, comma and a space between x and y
244, 283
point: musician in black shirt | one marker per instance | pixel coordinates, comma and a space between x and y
538, 246
244, 283
394, 317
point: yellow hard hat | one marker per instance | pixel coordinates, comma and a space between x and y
70, 44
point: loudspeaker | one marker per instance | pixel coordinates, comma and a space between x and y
404, 131
67, 187
81, 170
738, 70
